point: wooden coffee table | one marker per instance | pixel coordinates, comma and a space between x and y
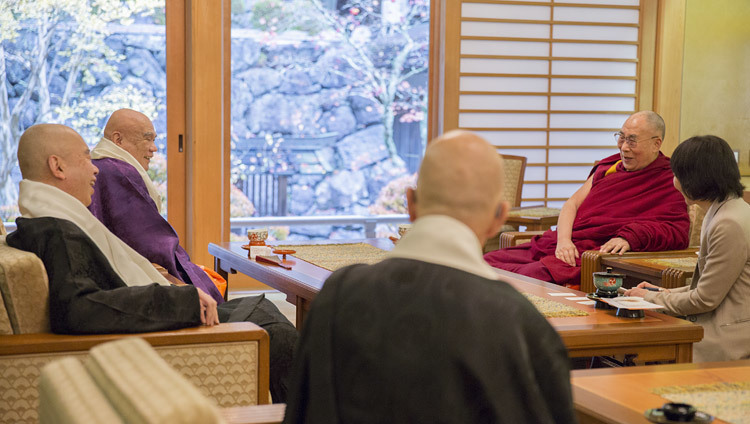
622, 395
656, 337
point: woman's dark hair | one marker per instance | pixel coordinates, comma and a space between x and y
706, 169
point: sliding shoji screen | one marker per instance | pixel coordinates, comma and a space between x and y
548, 80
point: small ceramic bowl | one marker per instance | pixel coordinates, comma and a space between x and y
403, 228
257, 236
681, 412
608, 281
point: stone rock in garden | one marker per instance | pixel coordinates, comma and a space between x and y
363, 147
15, 71
245, 53
296, 81
242, 98
302, 200
116, 42
312, 231
347, 233
150, 42
366, 109
28, 115
339, 120
333, 98
143, 65
276, 113
332, 70
340, 190
380, 174
259, 80
302, 54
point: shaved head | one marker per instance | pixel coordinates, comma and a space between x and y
134, 133
57, 155
461, 176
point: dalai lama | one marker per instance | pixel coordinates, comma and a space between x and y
628, 203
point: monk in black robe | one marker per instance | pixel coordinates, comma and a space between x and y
97, 283
430, 334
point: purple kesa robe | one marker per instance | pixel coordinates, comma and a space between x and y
122, 203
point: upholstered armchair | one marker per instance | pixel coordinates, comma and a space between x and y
228, 363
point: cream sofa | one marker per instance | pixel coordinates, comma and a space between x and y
228, 363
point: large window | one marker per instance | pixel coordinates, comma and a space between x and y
328, 108
74, 63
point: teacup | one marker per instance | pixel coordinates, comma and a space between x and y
403, 228
608, 281
257, 236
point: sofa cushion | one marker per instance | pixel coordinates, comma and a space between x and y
68, 394
25, 290
143, 388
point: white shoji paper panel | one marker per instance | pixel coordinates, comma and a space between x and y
532, 155
551, 204
532, 190
505, 66
585, 120
502, 120
587, 32
535, 173
569, 173
467, 101
601, 51
508, 84
592, 86
590, 14
561, 190
579, 155
608, 69
515, 138
499, 29
592, 103
609, 2
505, 48
582, 138
505, 11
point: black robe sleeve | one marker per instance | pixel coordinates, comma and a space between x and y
86, 296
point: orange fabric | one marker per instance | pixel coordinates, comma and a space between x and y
218, 280
612, 169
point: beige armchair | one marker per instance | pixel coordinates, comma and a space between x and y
228, 363
515, 168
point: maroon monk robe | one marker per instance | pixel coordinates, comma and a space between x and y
643, 207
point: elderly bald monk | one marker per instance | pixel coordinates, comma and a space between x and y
127, 202
628, 203
430, 334
97, 283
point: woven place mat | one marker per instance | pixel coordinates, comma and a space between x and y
335, 256
552, 309
727, 401
535, 212
673, 263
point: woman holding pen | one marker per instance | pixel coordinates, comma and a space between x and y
718, 298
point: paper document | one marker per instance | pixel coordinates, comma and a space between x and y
631, 302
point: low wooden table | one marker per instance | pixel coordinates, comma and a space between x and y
656, 337
668, 270
300, 284
622, 395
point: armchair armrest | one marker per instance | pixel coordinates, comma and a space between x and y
514, 238
228, 363
591, 262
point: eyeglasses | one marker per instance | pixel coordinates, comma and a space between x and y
630, 140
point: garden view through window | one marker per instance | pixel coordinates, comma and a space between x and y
329, 107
